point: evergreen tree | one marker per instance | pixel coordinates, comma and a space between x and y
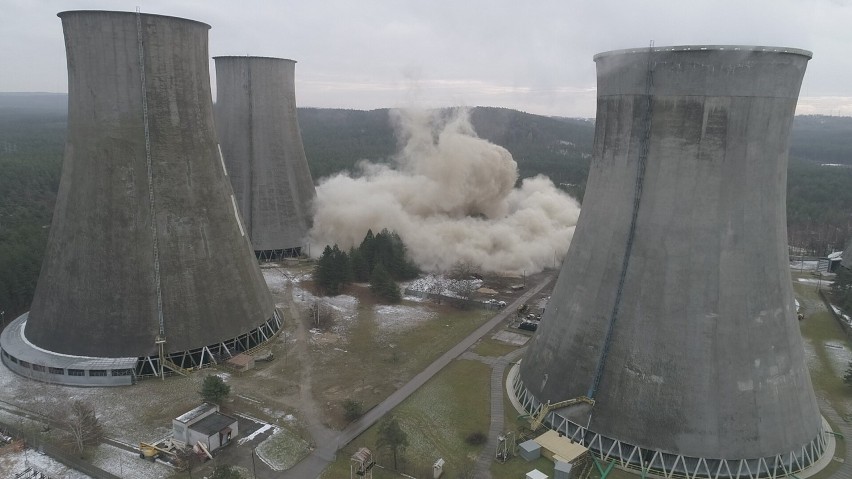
341, 271
358, 266
367, 249
392, 436
323, 271
332, 271
383, 285
403, 268
214, 389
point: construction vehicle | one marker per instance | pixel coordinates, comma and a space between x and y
151, 451
538, 419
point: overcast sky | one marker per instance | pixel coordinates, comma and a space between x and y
532, 56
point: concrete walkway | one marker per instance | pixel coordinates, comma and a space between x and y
313, 465
482, 470
841, 427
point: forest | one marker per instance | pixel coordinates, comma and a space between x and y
32, 136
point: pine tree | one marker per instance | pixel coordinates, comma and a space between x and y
323, 270
367, 249
392, 436
358, 266
332, 271
383, 285
214, 389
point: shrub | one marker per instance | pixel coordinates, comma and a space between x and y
476, 438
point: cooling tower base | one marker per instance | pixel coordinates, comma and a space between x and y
28, 360
810, 458
267, 255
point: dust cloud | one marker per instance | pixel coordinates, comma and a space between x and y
451, 197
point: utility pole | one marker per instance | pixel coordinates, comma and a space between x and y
253, 469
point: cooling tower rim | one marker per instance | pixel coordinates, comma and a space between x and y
700, 48
251, 57
68, 13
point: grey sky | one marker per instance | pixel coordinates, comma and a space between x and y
533, 56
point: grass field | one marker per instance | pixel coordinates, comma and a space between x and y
437, 419
381, 347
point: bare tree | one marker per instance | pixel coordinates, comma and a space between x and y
464, 288
465, 270
321, 315
83, 425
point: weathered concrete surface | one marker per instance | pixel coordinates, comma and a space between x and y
705, 357
262, 145
96, 295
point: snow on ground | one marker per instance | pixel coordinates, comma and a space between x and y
12, 463
439, 284
279, 414
843, 315
840, 355
817, 281
276, 279
344, 304
128, 465
282, 450
804, 265
118, 408
299, 277
260, 431
399, 318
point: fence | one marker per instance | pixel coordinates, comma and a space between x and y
60, 455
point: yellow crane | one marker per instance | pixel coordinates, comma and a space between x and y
538, 419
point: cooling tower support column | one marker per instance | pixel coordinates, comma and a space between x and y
145, 241
262, 147
674, 307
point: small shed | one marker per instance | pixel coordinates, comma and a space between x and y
241, 362
562, 470
205, 424
536, 474
530, 450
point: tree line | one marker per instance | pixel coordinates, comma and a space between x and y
380, 259
32, 136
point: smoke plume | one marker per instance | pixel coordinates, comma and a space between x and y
451, 197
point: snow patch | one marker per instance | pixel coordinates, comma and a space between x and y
399, 317
261, 430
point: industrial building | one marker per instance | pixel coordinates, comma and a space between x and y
262, 146
670, 344
147, 267
205, 425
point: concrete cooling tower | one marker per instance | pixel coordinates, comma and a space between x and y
259, 131
846, 260
671, 343
147, 266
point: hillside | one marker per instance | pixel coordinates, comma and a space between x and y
32, 135
336, 140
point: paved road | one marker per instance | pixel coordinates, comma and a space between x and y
313, 465
482, 469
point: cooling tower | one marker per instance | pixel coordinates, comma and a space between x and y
846, 260
673, 312
259, 132
146, 259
